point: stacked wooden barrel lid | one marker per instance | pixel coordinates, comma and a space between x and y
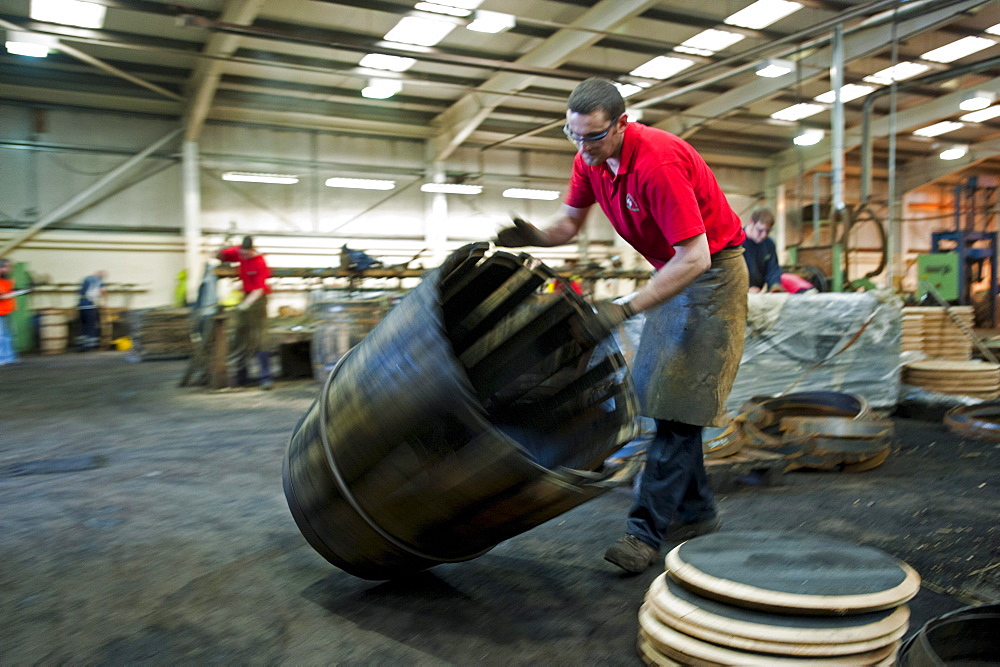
913, 331
930, 330
776, 598
978, 379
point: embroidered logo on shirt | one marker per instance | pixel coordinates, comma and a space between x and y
631, 203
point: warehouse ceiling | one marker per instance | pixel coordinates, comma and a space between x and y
298, 64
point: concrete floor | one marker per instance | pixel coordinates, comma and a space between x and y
179, 546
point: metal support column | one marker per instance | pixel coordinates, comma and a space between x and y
193, 262
781, 223
436, 217
837, 156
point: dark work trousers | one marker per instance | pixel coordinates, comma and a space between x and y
674, 485
250, 341
90, 328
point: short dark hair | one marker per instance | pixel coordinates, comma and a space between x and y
763, 216
247, 243
597, 95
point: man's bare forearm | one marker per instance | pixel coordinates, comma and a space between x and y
692, 259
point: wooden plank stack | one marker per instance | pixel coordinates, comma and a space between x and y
930, 330
160, 333
978, 379
774, 598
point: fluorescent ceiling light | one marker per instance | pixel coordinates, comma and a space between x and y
707, 42
798, 111
26, 49
939, 128
773, 68
958, 49
528, 193
808, 137
461, 4
762, 13
251, 177
994, 29
29, 44
977, 101
390, 63
954, 153
897, 72
360, 183
436, 8
380, 89
68, 12
981, 116
451, 188
633, 115
419, 31
661, 67
491, 22
627, 89
848, 92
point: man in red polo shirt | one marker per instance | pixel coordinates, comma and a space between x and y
250, 339
662, 198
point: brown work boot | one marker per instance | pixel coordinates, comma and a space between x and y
681, 532
631, 554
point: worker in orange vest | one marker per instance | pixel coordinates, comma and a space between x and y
7, 306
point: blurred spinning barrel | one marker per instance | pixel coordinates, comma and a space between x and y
479, 408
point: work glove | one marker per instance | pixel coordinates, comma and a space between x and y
608, 317
521, 233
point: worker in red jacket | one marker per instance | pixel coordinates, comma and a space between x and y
662, 198
250, 340
7, 306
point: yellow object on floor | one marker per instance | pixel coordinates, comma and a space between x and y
122, 344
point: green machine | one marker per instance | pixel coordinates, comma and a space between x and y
941, 271
22, 320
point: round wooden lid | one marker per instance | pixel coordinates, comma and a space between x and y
650, 655
690, 651
768, 632
792, 572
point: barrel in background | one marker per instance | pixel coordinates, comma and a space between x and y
53, 330
341, 322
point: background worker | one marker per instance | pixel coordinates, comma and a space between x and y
92, 293
761, 254
662, 198
7, 306
250, 339
762, 259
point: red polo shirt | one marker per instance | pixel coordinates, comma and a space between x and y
253, 272
663, 193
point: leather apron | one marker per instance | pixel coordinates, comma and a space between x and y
691, 346
250, 333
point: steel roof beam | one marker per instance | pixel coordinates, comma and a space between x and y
97, 63
205, 78
855, 46
788, 163
928, 170
463, 117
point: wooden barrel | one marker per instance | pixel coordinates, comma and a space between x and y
413, 455
53, 330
